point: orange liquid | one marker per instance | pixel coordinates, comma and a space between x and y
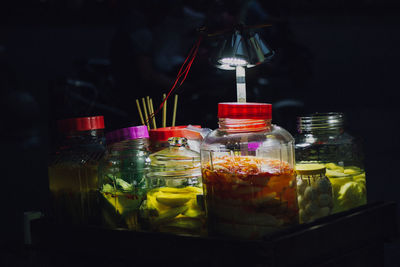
251, 194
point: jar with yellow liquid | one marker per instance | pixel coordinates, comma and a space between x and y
122, 184
175, 198
322, 139
73, 179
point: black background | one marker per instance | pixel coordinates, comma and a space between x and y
330, 56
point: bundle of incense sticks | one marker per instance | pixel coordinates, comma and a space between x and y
148, 117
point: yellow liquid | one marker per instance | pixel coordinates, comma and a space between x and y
348, 187
176, 210
121, 210
73, 188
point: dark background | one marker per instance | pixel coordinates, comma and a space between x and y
330, 56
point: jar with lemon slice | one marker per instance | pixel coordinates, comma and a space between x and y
322, 138
175, 198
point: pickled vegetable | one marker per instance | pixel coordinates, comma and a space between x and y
314, 192
249, 196
121, 205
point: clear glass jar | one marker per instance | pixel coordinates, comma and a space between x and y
248, 173
321, 138
122, 183
175, 196
73, 179
314, 192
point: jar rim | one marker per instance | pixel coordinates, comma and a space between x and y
320, 121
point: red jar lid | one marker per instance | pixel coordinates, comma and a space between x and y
235, 110
162, 134
81, 124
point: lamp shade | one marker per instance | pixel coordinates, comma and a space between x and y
232, 51
241, 48
259, 52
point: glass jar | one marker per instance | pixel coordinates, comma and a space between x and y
122, 183
175, 196
314, 192
248, 173
73, 179
322, 139
159, 137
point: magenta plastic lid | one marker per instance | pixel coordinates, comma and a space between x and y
129, 133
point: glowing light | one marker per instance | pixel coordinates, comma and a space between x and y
225, 67
233, 61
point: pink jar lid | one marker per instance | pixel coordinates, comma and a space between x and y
129, 133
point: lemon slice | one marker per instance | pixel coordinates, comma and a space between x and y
172, 190
170, 214
193, 213
173, 200
351, 171
333, 166
331, 173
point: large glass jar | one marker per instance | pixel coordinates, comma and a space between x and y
322, 139
314, 192
175, 196
73, 179
248, 173
122, 183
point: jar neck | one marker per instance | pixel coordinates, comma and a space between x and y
324, 123
78, 138
244, 125
132, 144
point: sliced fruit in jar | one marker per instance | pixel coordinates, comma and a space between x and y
264, 199
333, 166
170, 214
193, 213
173, 200
335, 173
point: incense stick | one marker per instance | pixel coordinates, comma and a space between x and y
145, 113
164, 118
148, 106
149, 110
140, 111
174, 113
153, 115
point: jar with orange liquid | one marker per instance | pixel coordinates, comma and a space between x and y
248, 173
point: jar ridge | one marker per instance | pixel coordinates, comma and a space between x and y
244, 125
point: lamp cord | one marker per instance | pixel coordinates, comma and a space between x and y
185, 67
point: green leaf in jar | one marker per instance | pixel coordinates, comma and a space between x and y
107, 188
124, 186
